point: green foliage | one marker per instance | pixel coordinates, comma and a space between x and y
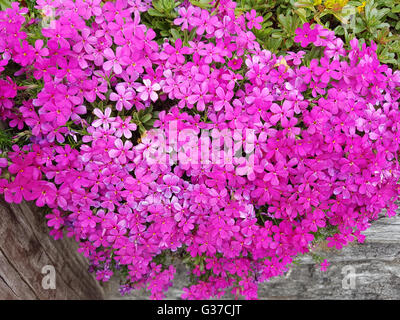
4, 4
144, 119
6, 140
317, 258
11, 136
370, 20
204, 4
279, 25
161, 17
323, 233
377, 22
31, 6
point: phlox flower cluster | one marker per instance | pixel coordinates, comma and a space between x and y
323, 153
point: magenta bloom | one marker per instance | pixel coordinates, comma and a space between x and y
104, 119
3, 163
253, 20
305, 35
235, 64
122, 151
170, 185
55, 219
174, 54
224, 99
124, 127
25, 54
44, 193
148, 90
200, 96
184, 15
281, 113
324, 264
115, 60
122, 97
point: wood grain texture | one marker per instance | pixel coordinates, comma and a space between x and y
26, 247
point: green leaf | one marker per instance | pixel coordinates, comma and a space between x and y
141, 129
339, 30
157, 4
175, 34
4, 4
146, 118
6, 141
309, 4
155, 13
289, 43
204, 4
302, 13
192, 34
340, 17
150, 124
396, 9
169, 4
165, 34
273, 42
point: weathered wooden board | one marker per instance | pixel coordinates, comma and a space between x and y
26, 247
